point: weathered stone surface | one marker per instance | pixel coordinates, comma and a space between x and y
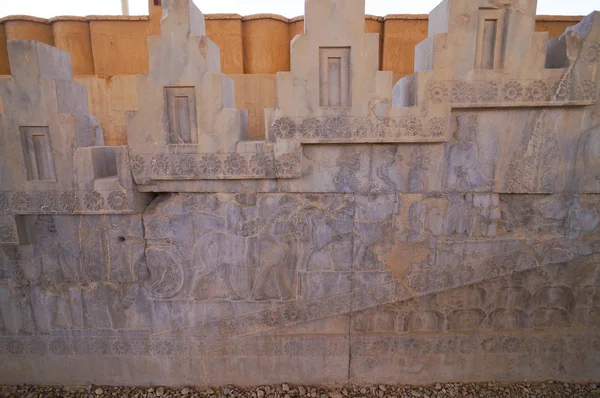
52, 154
455, 235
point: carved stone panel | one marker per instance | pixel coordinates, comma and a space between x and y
490, 39
180, 103
334, 77
445, 229
37, 148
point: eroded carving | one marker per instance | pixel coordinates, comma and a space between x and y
458, 223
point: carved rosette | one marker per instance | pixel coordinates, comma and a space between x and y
561, 91
586, 91
236, 165
260, 163
437, 127
437, 92
160, 164
186, 166
463, 92
411, 127
336, 127
93, 201
287, 165
4, 205
138, 165
536, 91
284, 128
69, 201
210, 165
311, 128
487, 92
8, 234
512, 91
590, 54
118, 200
21, 201
386, 127
46, 201
361, 127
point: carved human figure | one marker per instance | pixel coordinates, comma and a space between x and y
290, 238
106, 304
373, 228
417, 176
232, 255
346, 179
53, 306
10, 263
457, 220
50, 251
461, 172
416, 215
15, 299
16, 313
50, 300
326, 227
5, 309
586, 175
387, 156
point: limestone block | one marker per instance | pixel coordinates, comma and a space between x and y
475, 57
238, 281
186, 127
53, 158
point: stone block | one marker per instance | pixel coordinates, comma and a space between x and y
444, 229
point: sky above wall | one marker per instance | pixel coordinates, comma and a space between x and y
287, 8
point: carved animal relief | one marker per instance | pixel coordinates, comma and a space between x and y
445, 227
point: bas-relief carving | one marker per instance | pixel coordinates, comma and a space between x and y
480, 275
245, 247
462, 173
453, 236
537, 164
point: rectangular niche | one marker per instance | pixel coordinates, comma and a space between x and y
104, 161
334, 76
490, 39
37, 152
180, 104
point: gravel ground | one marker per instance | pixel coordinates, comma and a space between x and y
457, 390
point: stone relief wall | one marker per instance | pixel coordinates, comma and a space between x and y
446, 228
